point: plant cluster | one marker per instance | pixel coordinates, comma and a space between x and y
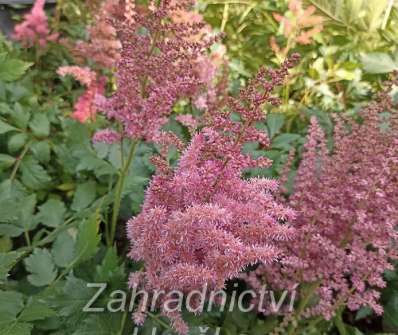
136, 152
345, 228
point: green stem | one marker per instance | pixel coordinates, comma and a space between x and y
58, 13
19, 160
159, 321
387, 14
338, 321
124, 317
312, 324
27, 238
303, 305
225, 17
119, 192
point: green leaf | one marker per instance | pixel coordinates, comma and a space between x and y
353, 331
390, 317
104, 324
17, 328
63, 249
285, 141
40, 125
88, 162
6, 161
109, 267
12, 69
363, 313
7, 261
36, 310
41, 266
87, 239
33, 174
27, 207
275, 122
5, 127
5, 244
41, 150
51, 213
74, 296
378, 62
11, 305
10, 230
17, 211
20, 116
17, 141
5, 109
84, 196
8, 211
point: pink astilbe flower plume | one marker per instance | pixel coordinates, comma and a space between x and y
85, 108
207, 65
34, 28
202, 224
157, 66
102, 45
347, 204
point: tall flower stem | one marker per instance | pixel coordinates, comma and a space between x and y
19, 161
119, 192
303, 304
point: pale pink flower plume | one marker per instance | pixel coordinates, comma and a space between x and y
85, 108
108, 136
82, 74
202, 224
347, 202
154, 70
34, 28
102, 46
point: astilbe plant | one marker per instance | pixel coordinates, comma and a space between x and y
102, 46
201, 223
34, 28
85, 108
208, 65
157, 66
347, 205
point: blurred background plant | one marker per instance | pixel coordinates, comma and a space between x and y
347, 49
343, 45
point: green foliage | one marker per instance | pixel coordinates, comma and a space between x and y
7, 261
56, 193
378, 62
12, 69
338, 68
41, 267
58, 189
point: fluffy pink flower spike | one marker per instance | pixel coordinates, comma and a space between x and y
34, 28
157, 66
347, 204
85, 107
202, 224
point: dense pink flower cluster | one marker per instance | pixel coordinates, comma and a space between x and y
108, 136
85, 108
34, 28
202, 224
156, 67
347, 204
102, 45
207, 65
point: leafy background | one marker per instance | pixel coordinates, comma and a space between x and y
57, 188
